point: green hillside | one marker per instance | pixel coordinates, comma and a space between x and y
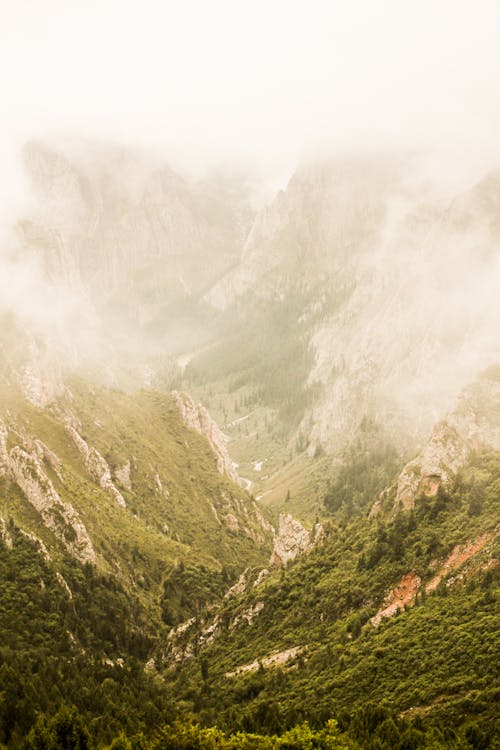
433, 664
92, 648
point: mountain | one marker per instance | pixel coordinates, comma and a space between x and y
249, 459
128, 238
399, 283
366, 289
99, 474
379, 622
473, 425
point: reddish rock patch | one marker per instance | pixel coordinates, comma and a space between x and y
458, 556
402, 595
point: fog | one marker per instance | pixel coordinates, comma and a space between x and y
254, 89
260, 81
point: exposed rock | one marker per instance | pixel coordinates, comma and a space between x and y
198, 418
61, 518
278, 659
64, 585
122, 476
401, 596
248, 615
45, 454
96, 465
96, 204
4, 456
26, 470
379, 248
5, 534
158, 484
436, 466
261, 577
473, 424
404, 594
209, 634
232, 522
240, 585
262, 523
293, 539
459, 555
42, 549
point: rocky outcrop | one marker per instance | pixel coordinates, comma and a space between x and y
96, 204
395, 322
4, 455
40, 380
97, 466
293, 539
122, 476
473, 424
240, 585
401, 596
247, 616
197, 418
5, 535
277, 659
26, 470
460, 555
44, 453
468, 558
389, 265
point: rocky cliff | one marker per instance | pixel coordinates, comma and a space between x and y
405, 276
293, 539
473, 424
386, 280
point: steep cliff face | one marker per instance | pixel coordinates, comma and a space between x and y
386, 284
293, 539
197, 418
94, 467
405, 276
130, 240
30, 361
474, 424
327, 216
25, 468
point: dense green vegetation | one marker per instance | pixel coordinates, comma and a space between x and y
176, 503
88, 649
67, 730
76, 641
432, 668
369, 465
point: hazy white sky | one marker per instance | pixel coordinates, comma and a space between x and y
204, 80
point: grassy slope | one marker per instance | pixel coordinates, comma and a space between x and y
159, 558
160, 529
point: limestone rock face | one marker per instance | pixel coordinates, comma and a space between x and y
293, 539
95, 205
96, 465
198, 418
404, 279
122, 476
400, 276
473, 424
4, 455
30, 361
26, 470
4, 534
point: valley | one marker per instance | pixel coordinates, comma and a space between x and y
249, 458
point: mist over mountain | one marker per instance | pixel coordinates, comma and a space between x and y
249, 375
387, 279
